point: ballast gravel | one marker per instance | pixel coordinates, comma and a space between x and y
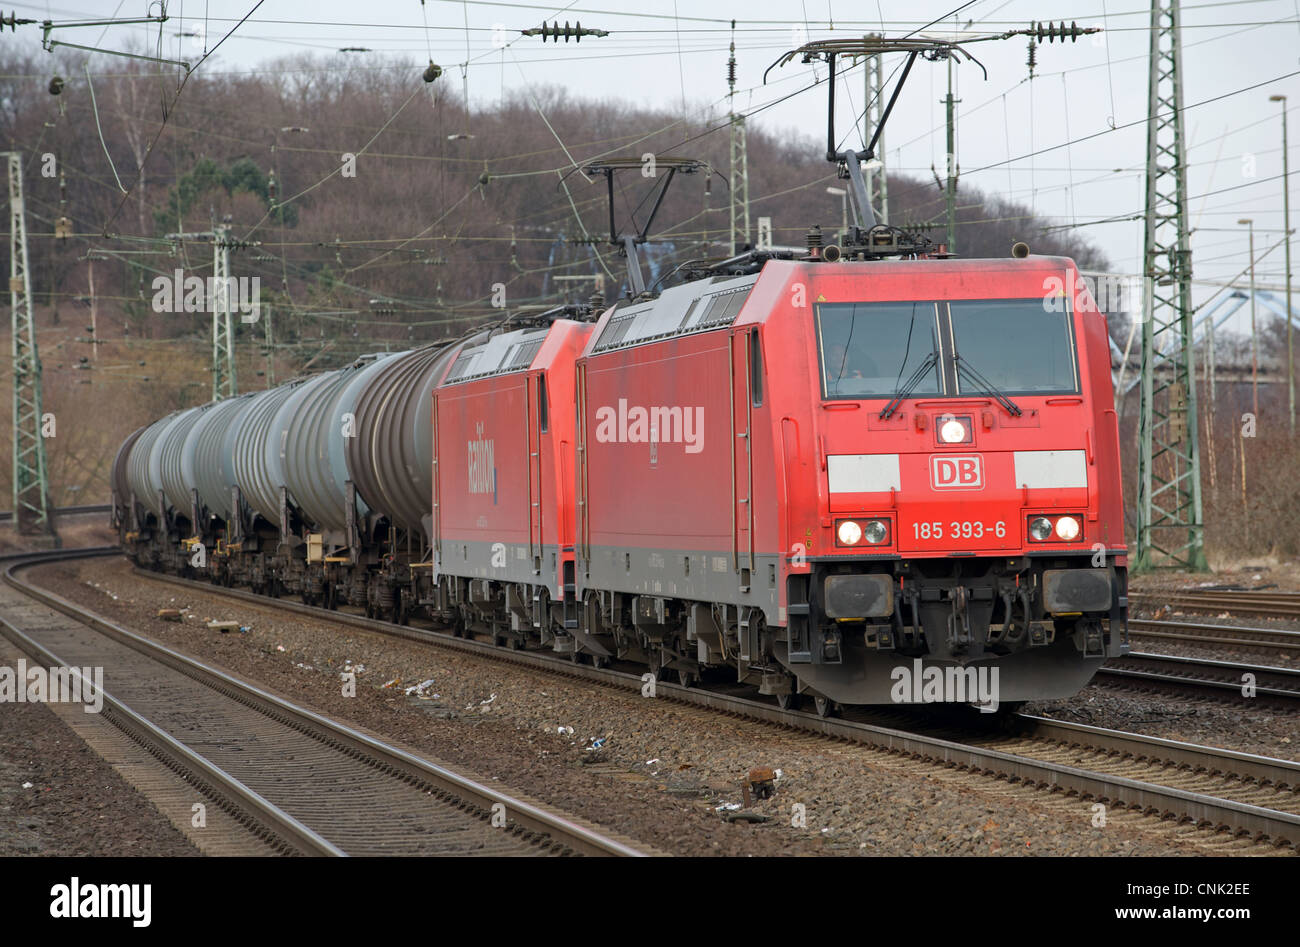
667, 774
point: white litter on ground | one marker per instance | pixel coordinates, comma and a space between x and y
421, 690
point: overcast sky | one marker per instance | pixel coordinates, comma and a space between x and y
672, 54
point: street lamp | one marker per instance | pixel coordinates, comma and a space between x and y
1254, 341
1286, 226
844, 207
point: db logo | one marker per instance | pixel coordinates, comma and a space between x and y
957, 473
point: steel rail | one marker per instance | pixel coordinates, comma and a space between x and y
575, 834
6, 515
1259, 822
1200, 633
1206, 674
273, 821
1280, 604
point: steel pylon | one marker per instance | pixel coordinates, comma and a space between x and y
224, 383
873, 117
1170, 525
31, 486
738, 172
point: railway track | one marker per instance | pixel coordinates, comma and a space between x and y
301, 782
1200, 674
1236, 792
8, 515
1275, 604
1262, 639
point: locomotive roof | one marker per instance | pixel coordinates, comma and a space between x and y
701, 305
678, 310
499, 355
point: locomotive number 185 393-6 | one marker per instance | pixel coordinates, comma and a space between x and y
958, 529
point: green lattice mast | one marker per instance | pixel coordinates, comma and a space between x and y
1170, 526
31, 487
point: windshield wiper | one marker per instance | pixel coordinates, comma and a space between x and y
989, 388
908, 385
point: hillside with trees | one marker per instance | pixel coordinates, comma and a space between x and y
374, 209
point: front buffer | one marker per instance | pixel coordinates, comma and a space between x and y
982, 630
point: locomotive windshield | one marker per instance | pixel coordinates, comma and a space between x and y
868, 349
1017, 344
1014, 346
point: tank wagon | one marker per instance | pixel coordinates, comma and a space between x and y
317, 488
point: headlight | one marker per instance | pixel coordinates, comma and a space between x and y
1067, 527
1040, 528
876, 532
849, 532
952, 431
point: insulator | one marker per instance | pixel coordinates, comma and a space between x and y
554, 31
62, 228
731, 71
815, 237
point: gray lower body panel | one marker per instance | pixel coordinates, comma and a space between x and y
502, 562
688, 575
